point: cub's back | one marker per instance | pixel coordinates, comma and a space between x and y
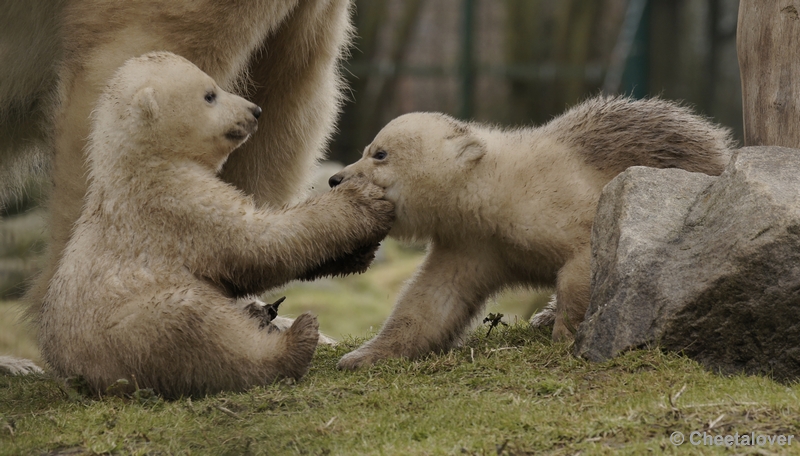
612, 134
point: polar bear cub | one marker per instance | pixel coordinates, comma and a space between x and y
505, 208
152, 283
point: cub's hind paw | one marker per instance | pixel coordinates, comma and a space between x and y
304, 328
284, 323
360, 358
18, 366
546, 316
301, 342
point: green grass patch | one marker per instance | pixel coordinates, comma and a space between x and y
513, 392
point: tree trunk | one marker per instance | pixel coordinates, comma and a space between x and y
768, 42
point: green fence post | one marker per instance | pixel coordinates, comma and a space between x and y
635, 78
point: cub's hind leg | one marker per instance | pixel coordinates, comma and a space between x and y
300, 341
572, 296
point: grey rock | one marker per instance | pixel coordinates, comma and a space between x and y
706, 266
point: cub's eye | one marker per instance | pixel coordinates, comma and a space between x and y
380, 155
210, 97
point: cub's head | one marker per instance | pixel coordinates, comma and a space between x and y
165, 105
423, 160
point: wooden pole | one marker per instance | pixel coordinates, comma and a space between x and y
768, 45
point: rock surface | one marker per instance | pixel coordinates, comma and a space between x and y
707, 266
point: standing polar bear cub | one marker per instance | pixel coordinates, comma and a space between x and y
149, 286
506, 208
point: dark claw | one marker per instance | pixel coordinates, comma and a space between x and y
265, 313
272, 309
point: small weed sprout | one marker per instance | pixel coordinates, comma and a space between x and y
494, 320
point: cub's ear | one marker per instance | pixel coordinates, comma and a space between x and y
469, 149
145, 100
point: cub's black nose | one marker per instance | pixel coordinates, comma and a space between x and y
335, 180
257, 112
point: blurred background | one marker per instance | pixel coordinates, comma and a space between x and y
509, 62
521, 62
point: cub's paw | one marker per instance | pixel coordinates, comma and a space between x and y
361, 358
10, 365
376, 212
355, 262
301, 341
284, 323
546, 316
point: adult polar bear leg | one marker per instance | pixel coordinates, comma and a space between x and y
572, 295
298, 86
435, 307
29, 33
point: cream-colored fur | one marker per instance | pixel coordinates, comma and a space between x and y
505, 208
57, 55
29, 48
146, 289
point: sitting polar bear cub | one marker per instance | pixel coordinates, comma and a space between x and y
148, 287
505, 208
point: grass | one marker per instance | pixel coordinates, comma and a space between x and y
511, 392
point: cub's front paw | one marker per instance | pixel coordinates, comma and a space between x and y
355, 262
375, 212
362, 357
